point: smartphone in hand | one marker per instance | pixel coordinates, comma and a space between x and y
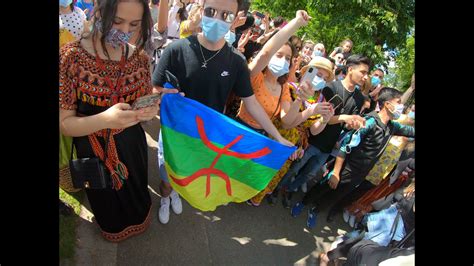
309, 75
146, 101
336, 101
172, 80
260, 15
332, 98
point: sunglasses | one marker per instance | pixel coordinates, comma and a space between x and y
225, 16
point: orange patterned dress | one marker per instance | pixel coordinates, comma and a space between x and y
121, 212
298, 136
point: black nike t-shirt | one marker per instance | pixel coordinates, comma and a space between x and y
352, 104
211, 86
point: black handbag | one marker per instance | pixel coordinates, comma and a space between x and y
90, 173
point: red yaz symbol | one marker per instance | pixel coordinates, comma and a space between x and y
220, 151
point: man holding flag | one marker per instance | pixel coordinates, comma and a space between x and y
207, 69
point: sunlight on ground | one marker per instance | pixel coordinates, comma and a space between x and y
212, 219
86, 214
153, 191
341, 232
150, 141
242, 240
304, 261
280, 242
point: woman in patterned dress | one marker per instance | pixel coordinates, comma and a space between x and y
100, 76
299, 133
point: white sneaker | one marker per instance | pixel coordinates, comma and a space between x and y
176, 204
345, 216
164, 211
304, 187
336, 242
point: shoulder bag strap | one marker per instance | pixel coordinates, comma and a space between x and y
106, 145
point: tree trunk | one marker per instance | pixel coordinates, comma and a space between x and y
410, 90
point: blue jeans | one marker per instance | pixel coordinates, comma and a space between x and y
161, 160
309, 165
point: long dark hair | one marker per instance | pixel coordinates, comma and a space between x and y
107, 9
183, 14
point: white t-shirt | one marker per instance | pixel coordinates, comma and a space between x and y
73, 22
173, 24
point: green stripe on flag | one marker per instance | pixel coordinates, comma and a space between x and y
177, 154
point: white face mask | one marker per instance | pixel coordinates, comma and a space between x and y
318, 83
279, 66
230, 37
398, 110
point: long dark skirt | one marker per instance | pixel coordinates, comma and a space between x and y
125, 212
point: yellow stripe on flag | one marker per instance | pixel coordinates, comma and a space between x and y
195, 191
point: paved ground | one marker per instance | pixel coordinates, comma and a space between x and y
236, 234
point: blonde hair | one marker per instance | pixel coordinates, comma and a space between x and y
194, 10
308, 42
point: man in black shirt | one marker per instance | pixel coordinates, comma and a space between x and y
207, 69
322, 142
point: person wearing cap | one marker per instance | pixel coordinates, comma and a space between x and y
346, 113
269, 75
309, 117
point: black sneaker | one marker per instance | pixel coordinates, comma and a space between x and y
272, 198
330, 216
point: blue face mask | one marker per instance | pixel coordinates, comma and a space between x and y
230, 37
317, 53
340, 77
318, 83
411, 115
214, 29
65, 3
258, 22
278, 66
355, 140
375, 81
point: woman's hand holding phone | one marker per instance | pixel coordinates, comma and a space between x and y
323, 108
119, 116
147, 113
305, 91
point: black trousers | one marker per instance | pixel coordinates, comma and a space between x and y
352, 194
347, 183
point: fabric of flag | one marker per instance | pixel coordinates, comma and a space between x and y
212, 159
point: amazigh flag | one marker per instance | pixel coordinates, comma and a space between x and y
212, 159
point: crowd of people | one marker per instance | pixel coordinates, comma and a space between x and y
355, 136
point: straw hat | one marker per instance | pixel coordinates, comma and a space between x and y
320, 62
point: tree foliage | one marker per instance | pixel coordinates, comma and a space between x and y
374, 26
